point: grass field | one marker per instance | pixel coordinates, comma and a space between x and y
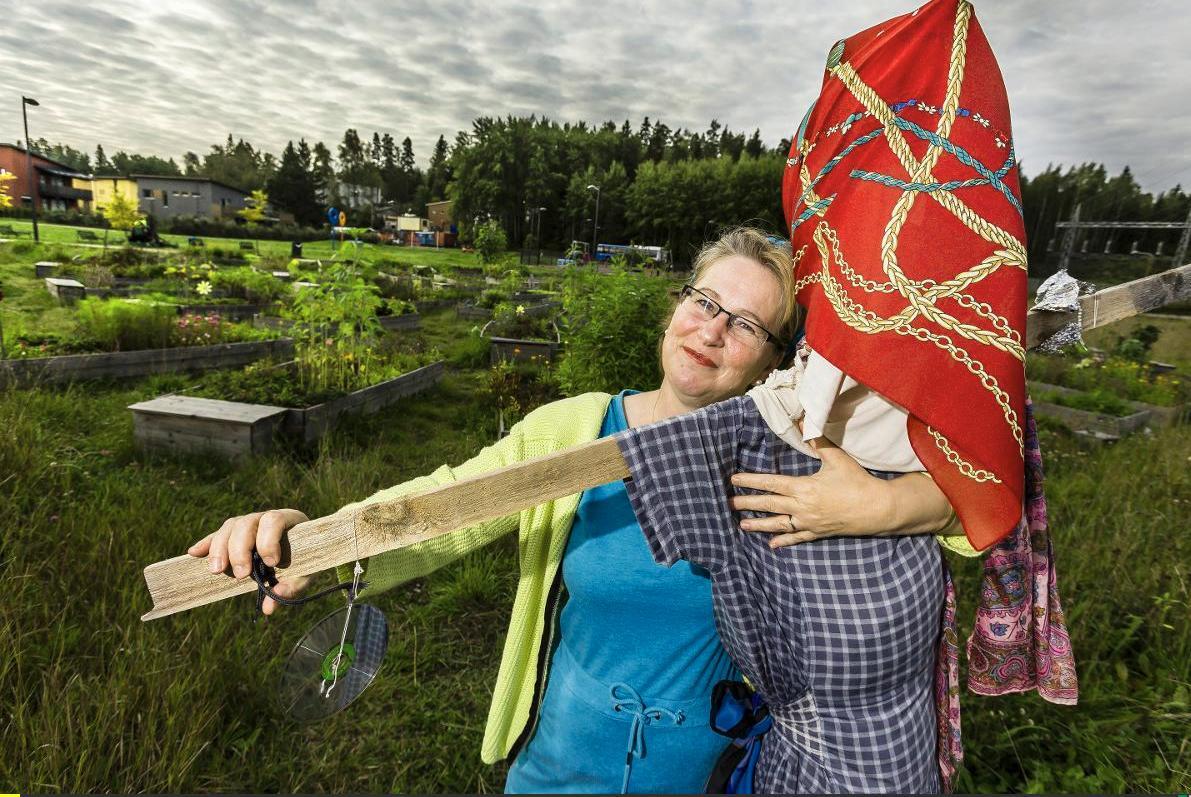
91, 699
67, 236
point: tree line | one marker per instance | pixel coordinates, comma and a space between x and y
654, 184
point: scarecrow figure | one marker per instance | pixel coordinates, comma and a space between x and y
903, 200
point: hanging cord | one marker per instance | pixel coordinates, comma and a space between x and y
626, 699
357, 571
266, 577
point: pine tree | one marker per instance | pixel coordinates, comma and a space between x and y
754, 147
439, 173
292, 187
325, 186
102, 164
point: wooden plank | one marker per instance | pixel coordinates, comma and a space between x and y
151, 437
215, 409
184, 582
1115, 303
63, 282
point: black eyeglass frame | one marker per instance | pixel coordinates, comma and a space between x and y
688, 289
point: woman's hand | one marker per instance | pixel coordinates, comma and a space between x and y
841, 499
238, 536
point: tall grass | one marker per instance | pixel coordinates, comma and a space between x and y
91, 699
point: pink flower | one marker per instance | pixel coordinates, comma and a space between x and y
329, 341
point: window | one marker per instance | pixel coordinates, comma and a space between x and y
165, 198
146, 193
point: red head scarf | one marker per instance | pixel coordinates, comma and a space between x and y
905, 212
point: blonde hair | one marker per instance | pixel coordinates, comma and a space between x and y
771, 253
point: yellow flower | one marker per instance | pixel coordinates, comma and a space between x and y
520, 309
203, 288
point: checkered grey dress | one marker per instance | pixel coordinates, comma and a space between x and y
839, 635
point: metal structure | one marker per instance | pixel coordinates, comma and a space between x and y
32, 178
1071, 228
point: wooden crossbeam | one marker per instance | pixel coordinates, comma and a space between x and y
1115, 303
184, 582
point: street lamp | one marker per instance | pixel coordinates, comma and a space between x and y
595, 228
33, 192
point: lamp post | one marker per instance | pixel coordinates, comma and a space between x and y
538, 237
33, 192
595, 228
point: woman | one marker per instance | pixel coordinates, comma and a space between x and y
610, 690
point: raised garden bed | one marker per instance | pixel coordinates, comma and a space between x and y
128, 364
46, 268
520, 350
228, 312
1101, 424
191, 424
67, 291
470, 312
309, 424
395, 323
434, 304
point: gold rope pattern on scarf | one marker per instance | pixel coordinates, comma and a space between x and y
922, 296
964, 467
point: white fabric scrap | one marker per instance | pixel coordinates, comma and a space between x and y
867, 426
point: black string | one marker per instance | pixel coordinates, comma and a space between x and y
266, 577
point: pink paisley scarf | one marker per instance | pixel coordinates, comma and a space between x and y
1020, 639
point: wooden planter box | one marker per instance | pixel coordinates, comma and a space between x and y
236, 429
395, 323
67, 291
128, 364
1099, 424
46, 268
309, 424
519, 350
194, 425
469, 312
228, 312
434, 304
272, 322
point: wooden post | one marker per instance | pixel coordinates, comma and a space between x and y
184, 582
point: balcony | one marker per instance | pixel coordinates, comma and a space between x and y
53, 191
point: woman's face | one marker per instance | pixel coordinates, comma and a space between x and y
704, 364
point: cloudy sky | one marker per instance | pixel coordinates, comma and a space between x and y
1088, 79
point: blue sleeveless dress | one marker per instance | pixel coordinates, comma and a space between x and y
628, 696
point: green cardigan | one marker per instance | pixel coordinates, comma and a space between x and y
543, 533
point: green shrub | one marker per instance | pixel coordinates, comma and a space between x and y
249, 284
491, 241
469, 351
391, 307
611, 333
1097, 400
490, 298
126, 325
1129, 379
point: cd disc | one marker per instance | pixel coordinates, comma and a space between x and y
320, 678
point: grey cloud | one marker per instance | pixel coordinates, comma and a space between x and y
1087, 81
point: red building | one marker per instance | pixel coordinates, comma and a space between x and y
52, 187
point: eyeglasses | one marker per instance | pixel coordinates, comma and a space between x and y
700, 305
